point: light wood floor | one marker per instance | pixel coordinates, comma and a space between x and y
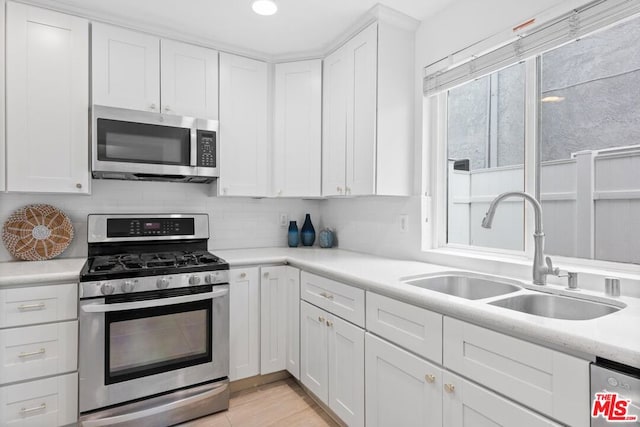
282, 403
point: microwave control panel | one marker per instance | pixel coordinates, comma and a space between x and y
206, 149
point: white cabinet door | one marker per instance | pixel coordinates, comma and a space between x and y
361, 112
273, 319
346, 371
334, 122
402, 389
47, 105
293, 321
314, 367
244, 323
243, 127
297, 142
125, 68
189, 80
468, 405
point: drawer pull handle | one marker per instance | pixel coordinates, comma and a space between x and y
430, 378
32, 353
320, 319
38, 306
37, 408
449, 388
326, 295
329, 323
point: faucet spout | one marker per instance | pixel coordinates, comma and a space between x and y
540, 268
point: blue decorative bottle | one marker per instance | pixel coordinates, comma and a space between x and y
308, 232
292, 236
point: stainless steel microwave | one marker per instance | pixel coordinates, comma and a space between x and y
139, 145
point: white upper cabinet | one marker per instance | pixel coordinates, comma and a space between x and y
361, 113
334, 123
243, 127
47, 101
297, 144
368, 113
189, 80
125, 68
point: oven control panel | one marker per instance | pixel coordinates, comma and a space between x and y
206, 149
104, 288
145, 227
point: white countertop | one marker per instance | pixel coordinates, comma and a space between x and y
615, 336
16, 273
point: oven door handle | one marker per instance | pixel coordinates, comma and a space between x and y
104, 308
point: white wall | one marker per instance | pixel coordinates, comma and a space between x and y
233, 222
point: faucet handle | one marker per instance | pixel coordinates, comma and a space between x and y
550, 269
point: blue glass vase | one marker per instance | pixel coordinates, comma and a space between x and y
292, 236
308, 232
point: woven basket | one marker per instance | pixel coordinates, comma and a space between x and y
37, 232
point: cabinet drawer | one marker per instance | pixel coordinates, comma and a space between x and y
546, 380
38, 304
411, 327
49, 402
37, 351
342, 300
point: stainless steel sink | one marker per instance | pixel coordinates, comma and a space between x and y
468, 287
556, 306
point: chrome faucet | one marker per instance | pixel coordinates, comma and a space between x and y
541, 266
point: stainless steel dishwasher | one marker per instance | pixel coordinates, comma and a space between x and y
615, 394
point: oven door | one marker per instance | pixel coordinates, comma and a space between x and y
138, 345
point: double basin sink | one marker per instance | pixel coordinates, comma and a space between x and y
474, 287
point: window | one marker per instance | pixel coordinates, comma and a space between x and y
585, 131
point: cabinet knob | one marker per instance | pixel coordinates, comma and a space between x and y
78, 185
449, 388
339, 189
320, 319
225, 190
167, 108
266, 274
329, 323
430, 378
243, 275
279, 192
347, 190
152, 107
326, 295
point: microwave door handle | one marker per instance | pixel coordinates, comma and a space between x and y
193, 161
104, 308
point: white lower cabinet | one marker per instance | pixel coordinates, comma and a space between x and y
550, 382
273, 319
402, 389
244, 323
332, 362
468, 405
47, 402
293, 321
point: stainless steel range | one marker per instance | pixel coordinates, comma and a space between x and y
154, 322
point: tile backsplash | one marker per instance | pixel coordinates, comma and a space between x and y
234, 222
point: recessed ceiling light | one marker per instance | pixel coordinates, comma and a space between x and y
552, 99
264, 7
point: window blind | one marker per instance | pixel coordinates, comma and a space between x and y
443, 75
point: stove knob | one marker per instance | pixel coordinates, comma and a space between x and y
107, 288
194, 280
127, 286
213, 277
162, 283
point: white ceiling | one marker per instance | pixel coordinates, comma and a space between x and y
300, 26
